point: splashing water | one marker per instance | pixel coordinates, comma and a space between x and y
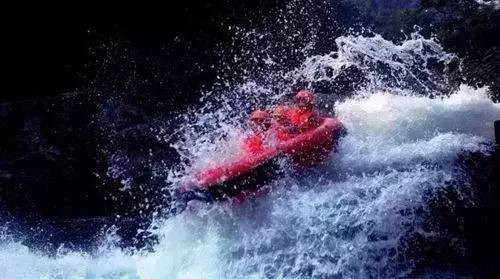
350, 217
492, 3
410, 65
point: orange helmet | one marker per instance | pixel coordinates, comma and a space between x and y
281, 111
304, 97
260, 119
259, 114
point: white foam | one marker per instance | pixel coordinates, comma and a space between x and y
187, 249
386, 129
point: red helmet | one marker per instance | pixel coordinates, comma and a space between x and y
304, 97
259, 114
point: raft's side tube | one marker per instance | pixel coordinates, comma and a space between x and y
300, 143
229, 171
310, 139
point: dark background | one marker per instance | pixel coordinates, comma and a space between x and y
77, 79
50, 50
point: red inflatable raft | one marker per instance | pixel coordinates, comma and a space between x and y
305, 149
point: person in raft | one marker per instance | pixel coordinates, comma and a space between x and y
283, 127
260, 123
300, 118
288, 122
304, 115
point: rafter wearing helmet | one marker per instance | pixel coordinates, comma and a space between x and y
260, 122
304, 115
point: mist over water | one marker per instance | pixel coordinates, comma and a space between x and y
351, 217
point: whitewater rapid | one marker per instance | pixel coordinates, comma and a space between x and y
347, 218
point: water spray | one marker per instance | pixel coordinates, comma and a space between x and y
497, 132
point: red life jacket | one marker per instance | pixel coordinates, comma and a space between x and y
304, 119
254, 143
283, 133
